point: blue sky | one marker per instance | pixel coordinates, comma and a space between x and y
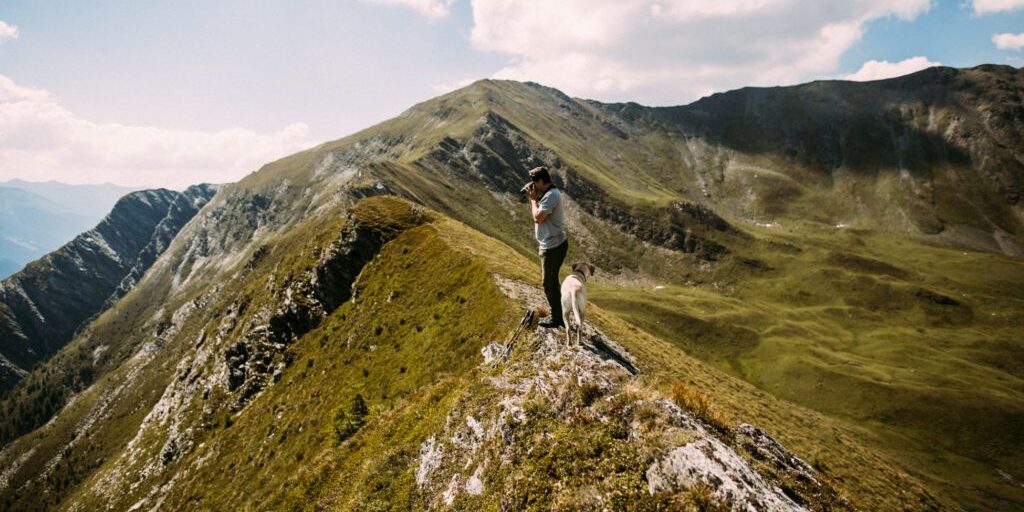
949, 33
171, 93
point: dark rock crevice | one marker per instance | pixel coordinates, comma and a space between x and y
259, 356
682, 226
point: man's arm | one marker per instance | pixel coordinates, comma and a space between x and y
539, 216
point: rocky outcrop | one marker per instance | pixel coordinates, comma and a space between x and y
497, 155
505, 440
43, 305
708, 461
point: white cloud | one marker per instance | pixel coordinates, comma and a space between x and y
433, 9
7, 31
12, 92
991, 6
673, 51
682, 10
42, 140
1009, 41
881, 69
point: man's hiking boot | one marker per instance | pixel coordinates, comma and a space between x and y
551, 324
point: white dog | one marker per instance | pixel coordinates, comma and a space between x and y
574, 298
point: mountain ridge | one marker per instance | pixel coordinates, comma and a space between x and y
58, 213
45, 303
778, 316
947, 207
32, 225
919, 105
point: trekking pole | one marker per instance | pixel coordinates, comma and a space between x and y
525, 322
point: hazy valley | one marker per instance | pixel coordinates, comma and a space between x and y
38, 217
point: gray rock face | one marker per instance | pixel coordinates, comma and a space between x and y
181, 210
708, 461
43, 305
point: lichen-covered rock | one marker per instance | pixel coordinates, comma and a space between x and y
710, 462
764, 448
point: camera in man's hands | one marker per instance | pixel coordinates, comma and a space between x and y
527, 189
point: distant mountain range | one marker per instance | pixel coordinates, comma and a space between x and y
92, 200
43, 304
807, 298
38, 217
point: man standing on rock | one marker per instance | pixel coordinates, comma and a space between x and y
548, 212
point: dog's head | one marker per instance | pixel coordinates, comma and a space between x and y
583, 268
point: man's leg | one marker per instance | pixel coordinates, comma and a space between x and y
551, 262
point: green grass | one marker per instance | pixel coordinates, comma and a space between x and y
939, 388
405, 339
409, 345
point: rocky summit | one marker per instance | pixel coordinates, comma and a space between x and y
807, 298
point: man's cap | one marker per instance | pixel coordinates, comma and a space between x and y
538, 173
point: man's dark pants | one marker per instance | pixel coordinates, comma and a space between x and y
550, 261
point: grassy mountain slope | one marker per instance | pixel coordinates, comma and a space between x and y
409, 343
850, 346
925, 355
936, 152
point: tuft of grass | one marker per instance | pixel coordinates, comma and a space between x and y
589, 393
557, 465
699, 498
348, 421
698, 402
